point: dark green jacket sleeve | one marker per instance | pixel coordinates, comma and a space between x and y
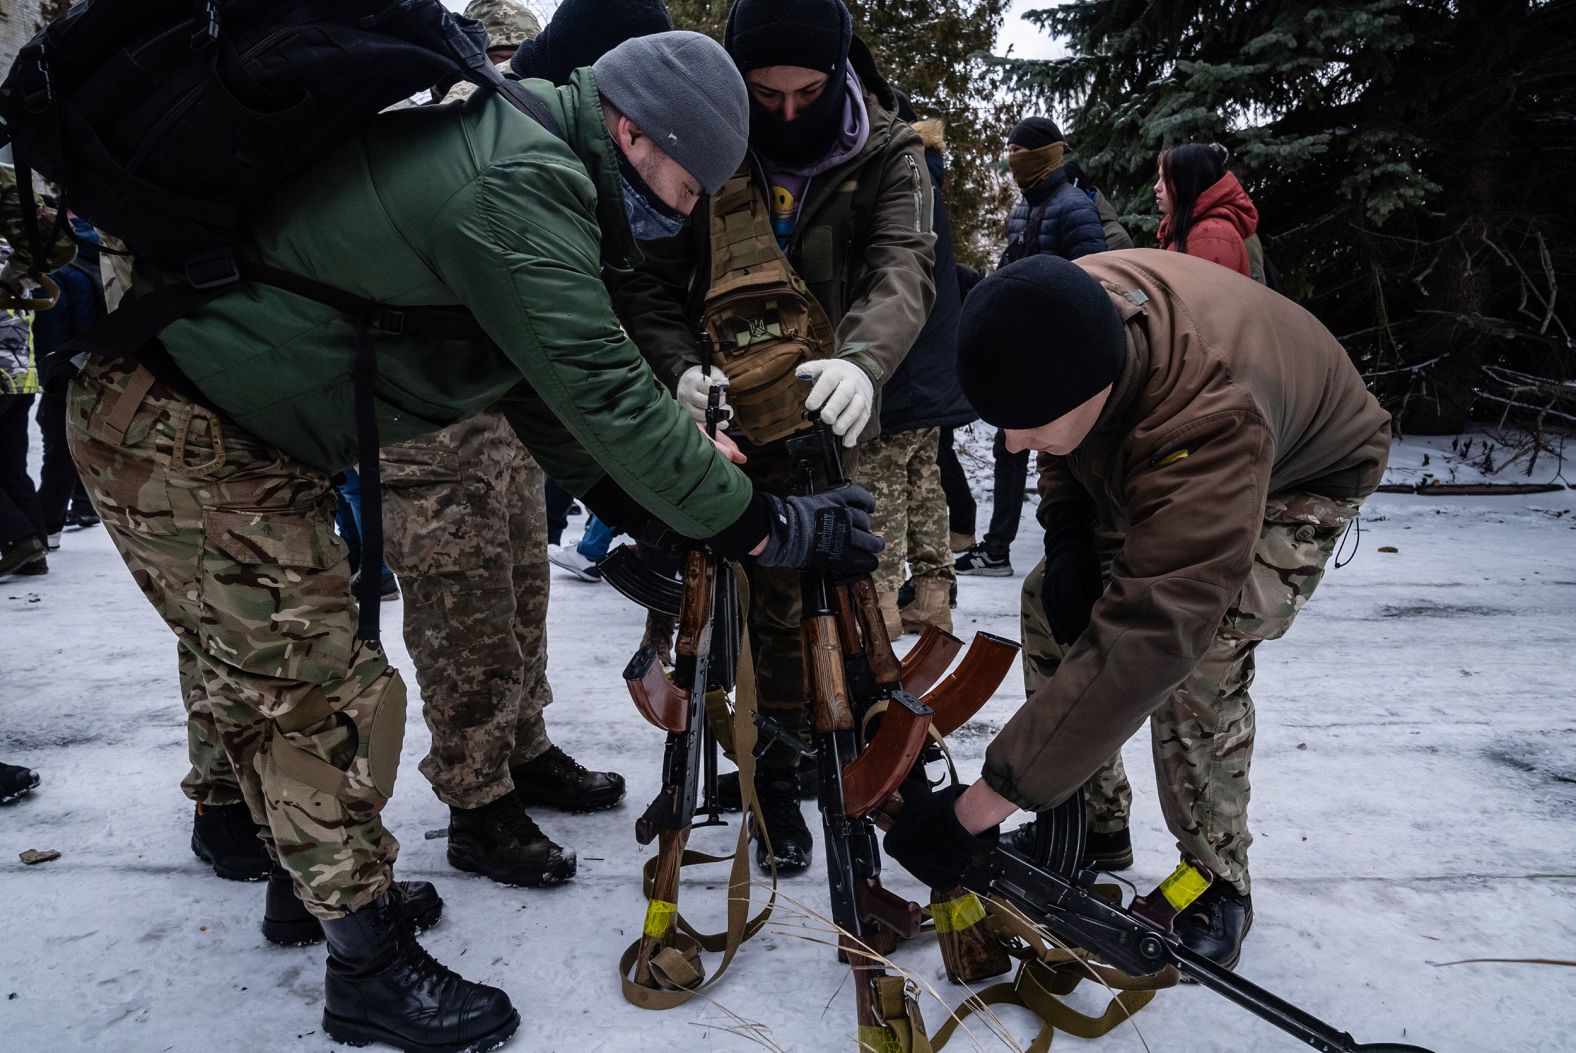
522, 247
658, 301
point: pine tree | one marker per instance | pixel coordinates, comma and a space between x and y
1410, 161
933, 50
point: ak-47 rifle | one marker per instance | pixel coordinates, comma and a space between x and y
706, 660
1137, 940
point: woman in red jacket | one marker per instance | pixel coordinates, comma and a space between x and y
1204, 210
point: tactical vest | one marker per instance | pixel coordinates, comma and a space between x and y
761, 319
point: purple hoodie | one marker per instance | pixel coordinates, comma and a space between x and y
790, 186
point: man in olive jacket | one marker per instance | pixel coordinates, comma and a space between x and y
213, 479
1225, 436
851, 210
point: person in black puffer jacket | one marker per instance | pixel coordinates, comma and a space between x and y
1055, 217
920, 405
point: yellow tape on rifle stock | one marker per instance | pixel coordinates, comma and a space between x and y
659, 917
878, 1040
955, 915
1184, 886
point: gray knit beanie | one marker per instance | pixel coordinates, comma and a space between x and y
683, 90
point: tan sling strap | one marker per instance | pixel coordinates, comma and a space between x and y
760, 317
678, 968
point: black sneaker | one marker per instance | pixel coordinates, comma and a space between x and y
557, 780
500, 842
978, 561
80, 518
792, 847
287, 923
728, 798
383, 986
225, 837
388, 584
16, 782
1216, 924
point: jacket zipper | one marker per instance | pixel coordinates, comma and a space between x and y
919, 194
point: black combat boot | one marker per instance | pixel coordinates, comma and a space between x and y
225, 837
557, 780
792, 845
288, 923
499, 841
16, 556
16, 781
382, 986
728, 786
1216, 924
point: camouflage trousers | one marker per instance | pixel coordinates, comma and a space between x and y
1202, 737
775, 617
900, 469
465, 527
233, 543
211, 780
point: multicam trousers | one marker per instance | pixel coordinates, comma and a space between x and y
465, 527
1202, 738
233, 543
211, 780
900, 469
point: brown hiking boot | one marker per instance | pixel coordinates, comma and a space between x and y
557, 780
500, 842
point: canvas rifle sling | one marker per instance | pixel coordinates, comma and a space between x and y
678, 966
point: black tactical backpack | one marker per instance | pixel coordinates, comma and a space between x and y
164, 121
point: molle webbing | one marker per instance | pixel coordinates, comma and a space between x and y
759, 315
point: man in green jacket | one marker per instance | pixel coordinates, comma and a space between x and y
211, 467
845, 191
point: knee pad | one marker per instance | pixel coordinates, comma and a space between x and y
352, 740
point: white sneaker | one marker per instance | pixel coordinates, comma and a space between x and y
54, 542
569, 558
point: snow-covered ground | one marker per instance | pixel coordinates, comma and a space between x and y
1415, 804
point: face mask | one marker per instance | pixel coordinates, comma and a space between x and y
805, 139
650, 218
1030, 168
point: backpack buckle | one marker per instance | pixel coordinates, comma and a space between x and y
387, 320
207, 26
212, 269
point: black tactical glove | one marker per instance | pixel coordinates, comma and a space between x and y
827, 532
930, 843
1073, 582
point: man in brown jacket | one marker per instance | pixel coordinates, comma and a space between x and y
849, 206
1223, 434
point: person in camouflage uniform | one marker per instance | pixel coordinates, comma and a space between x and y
1204, 445
465, 526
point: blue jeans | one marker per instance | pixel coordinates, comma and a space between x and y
596, 540
347, 516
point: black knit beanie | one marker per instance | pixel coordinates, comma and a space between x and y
1038, 339
1035, 132
813, 34
582, 31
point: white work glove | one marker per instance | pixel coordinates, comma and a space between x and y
695, 387
843, 393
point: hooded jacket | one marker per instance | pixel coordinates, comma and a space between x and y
869, 269
924, 392
1229, 394
471, 204
1223, 218
1069, 226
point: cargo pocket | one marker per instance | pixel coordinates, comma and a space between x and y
1298, 537
275, 595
